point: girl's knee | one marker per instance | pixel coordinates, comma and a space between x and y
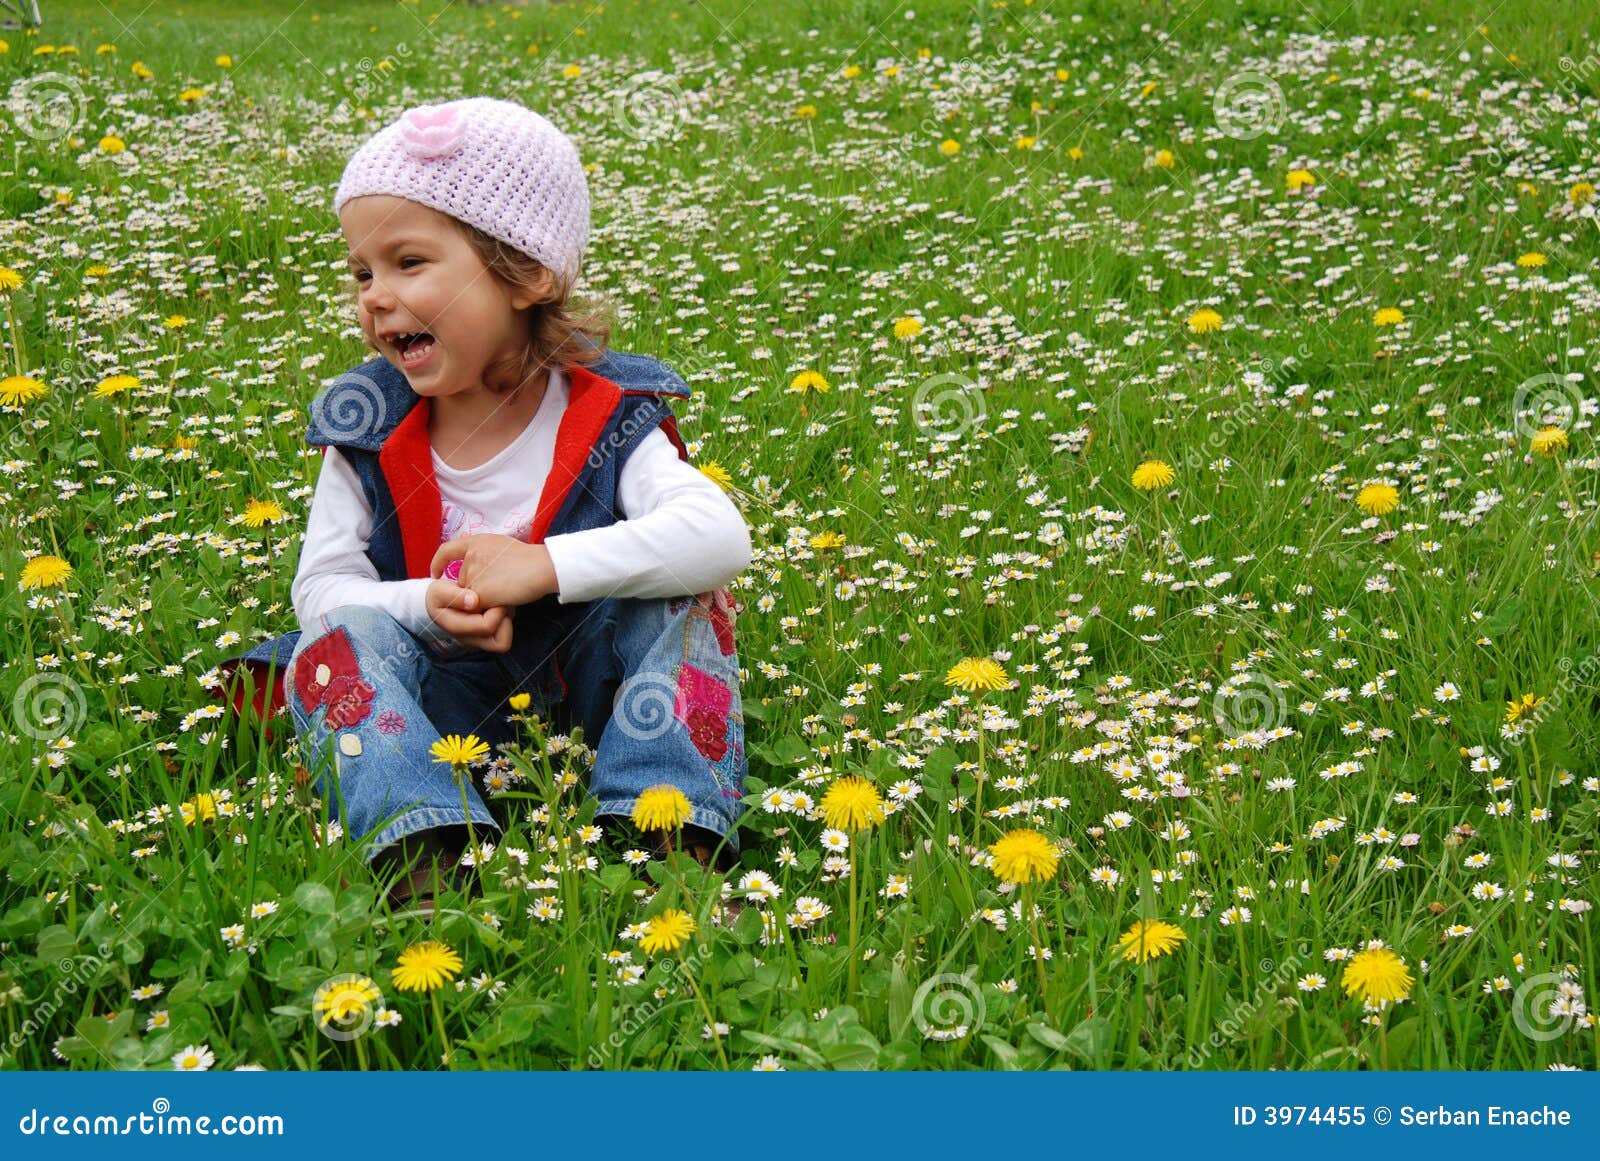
346, 632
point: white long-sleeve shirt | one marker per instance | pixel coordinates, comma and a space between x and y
680, 535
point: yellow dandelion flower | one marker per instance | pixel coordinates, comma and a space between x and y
1026, 142
1581, 193
1378, 499
520, 701
1549, 441
1205, 321
224, 61
259, 512
1300, 178
663, 807
1075, 153
141, 71
191, 94
1522, 707
44, 572
572, 72
949, 147
851, 72
1532, 259
174, 321
667, 932
1376, 973
1149, 938
9, 280
98, 270
808, 381
112, 144
977, 673
851, 804
16, 390
806, 112
346, 1000
1152, 475
1024, 856
1388, 316
825, 540
907, 328
717, 474
455, 750
425, 966
115, 385
202, 807
1165, 159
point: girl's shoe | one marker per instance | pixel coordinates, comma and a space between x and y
422, 856
704, 846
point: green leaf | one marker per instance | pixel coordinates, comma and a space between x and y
1090, 1041
314, 898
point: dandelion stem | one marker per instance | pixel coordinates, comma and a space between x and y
705, 1008
855, 916
438, 1019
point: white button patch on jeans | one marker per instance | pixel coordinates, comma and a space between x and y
350, 744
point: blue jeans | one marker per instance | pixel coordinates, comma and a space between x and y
655, 680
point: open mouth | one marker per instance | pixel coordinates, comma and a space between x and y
415, 347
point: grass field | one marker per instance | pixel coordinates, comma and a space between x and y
1319, 699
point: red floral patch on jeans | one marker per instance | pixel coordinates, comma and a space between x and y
331, 652
349, 701
702, 705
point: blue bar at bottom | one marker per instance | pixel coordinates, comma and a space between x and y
790, 1114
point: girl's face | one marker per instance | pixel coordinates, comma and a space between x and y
426, 301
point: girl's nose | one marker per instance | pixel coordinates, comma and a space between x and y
375, 296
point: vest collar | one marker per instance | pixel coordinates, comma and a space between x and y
406, 460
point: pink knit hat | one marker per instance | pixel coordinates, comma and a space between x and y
490, 163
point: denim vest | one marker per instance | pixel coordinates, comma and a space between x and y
380, 425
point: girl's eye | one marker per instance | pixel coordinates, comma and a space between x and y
403, 261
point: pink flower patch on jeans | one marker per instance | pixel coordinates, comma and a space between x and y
391, 722
349, 701
702, 705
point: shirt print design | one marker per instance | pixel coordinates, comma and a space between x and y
458, 522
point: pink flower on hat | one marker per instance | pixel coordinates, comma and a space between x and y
432, 131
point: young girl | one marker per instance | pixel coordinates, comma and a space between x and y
505, 507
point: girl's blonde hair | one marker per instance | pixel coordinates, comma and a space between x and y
562, 331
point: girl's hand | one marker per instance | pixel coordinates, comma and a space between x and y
453, 609
499, 569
